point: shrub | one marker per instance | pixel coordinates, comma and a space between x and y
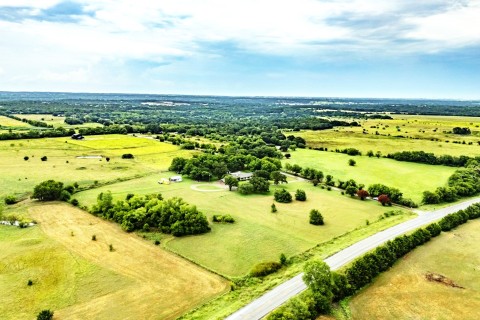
94, 238
44, 158
300, 195
65, 195
246, 188
157, 242
384, 199
127, 156
26, 158
265, 268
362, 194
273, 208
45, 315
352, 162
110, 247
74, 202
10, 199
316, 217
226, 218
70, 189
283, 196
283, 259
30, 283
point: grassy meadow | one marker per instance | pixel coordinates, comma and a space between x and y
20, 176
404, 293
56, 121
80, 278
257, 235
420, 133
411, 178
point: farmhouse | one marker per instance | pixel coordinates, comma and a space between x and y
242, 176
175, 179
77, 136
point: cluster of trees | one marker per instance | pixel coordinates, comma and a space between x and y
255, 185
430, 158
204, 167
463, 183
325, 287
393, 194
172, 215
52, 190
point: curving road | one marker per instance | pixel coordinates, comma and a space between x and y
280, 294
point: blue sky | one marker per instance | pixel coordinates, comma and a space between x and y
334, 48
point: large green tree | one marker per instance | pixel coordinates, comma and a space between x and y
49, 190
231, 181
318, 278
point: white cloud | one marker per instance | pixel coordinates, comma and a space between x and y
162, 31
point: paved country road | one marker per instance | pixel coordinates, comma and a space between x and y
283, 292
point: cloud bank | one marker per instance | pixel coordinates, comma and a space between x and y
111, 45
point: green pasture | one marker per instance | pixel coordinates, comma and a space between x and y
420, 133
20, 176
411, 178
60, 279
9, 123
57, 121
257, 235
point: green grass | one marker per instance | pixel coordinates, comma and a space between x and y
257, 235
404, 293
60, 279
418, 132
19, 176
246, 291
10, 123
411, 178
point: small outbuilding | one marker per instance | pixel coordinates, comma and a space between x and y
175, 179
77, 136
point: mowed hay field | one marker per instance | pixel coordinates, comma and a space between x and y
82, 279
417, 132
20, 176
404, 293
12, 123
257, 234
411, 178
56, 121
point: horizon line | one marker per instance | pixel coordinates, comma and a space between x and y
246, 96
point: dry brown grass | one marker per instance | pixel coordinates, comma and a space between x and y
405, 293
165, 286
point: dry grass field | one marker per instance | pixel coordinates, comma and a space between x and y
141, 280
403, 133
404, 292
